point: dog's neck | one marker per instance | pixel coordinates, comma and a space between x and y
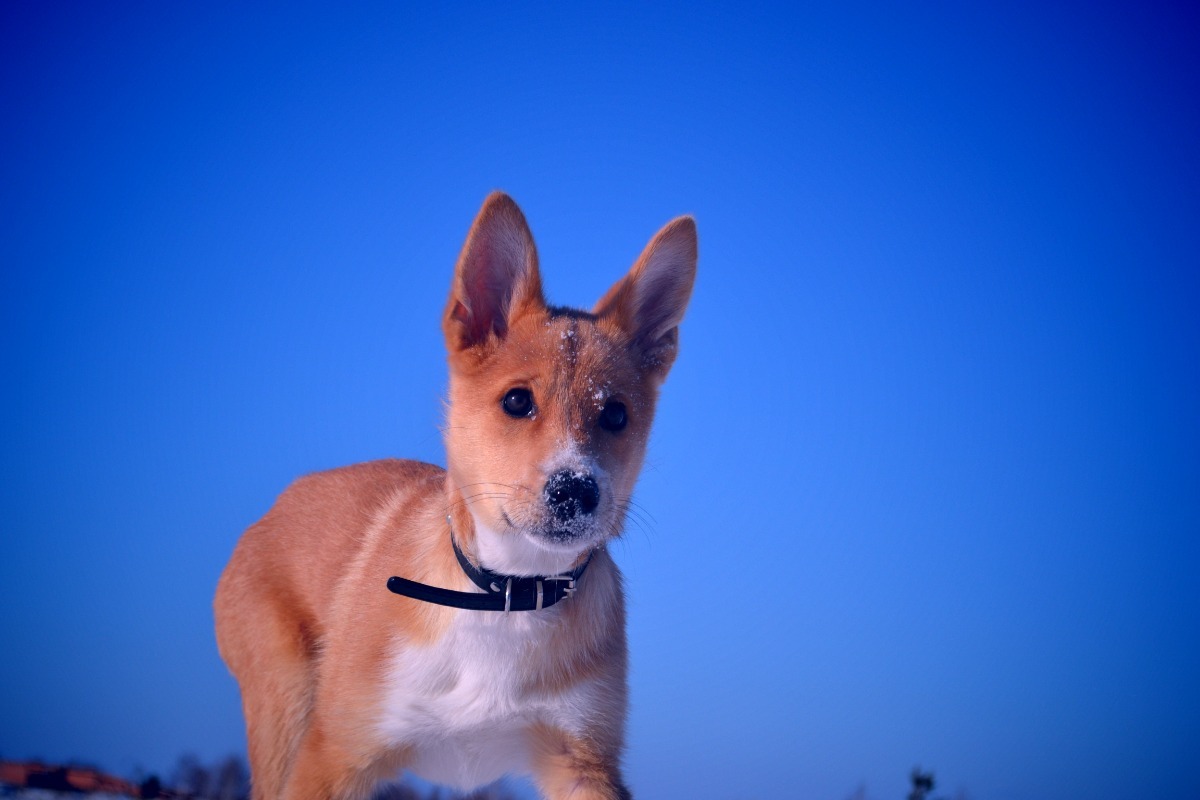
502, 552
500, 592
460, 521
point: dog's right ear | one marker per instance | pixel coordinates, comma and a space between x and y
496, 277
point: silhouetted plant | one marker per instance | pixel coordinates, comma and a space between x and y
150, 788
396, 791
191, 778
922, 784
228, 779
404, 791
231, 779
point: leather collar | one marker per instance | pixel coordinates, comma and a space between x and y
500, 592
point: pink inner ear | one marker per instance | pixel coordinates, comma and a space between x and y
498, 266
463, 317
650, 301
488, 293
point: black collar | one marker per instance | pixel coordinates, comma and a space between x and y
500, 592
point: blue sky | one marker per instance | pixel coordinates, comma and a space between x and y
925, 481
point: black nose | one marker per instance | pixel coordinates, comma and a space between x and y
570, 494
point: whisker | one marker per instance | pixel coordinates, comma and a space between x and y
631, 503
638, 516
494, 483
469, 499
635, 522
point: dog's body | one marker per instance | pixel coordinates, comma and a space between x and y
344, 683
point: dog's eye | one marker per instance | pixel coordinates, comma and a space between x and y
613, 417
518, 403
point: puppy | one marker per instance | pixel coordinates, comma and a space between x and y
469, 622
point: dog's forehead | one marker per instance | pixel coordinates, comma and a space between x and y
570, 353
584, 356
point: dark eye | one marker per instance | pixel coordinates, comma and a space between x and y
518, 403
613, 417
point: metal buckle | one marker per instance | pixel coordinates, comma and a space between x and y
508, 596
570, 588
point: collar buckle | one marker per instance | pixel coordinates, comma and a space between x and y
569, 589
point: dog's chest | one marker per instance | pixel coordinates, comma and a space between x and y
464, 703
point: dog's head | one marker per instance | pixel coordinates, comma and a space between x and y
550, 408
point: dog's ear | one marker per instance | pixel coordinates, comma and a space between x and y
496, 276
649, 302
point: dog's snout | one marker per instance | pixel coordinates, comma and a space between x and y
570, 494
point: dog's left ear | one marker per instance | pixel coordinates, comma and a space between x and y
496, 277
649, 302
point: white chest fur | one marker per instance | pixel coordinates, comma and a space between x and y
462, 703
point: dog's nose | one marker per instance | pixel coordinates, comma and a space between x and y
570, 494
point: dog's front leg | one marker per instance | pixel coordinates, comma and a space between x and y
567, 767
333, 768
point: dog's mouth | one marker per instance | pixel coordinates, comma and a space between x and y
528, 540
554, 534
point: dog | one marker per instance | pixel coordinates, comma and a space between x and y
467, 623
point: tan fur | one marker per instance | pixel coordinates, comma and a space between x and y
304, 620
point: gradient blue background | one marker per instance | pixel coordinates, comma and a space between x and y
934, 433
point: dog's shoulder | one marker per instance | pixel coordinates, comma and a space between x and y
319, 524
360, 483
349, 495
